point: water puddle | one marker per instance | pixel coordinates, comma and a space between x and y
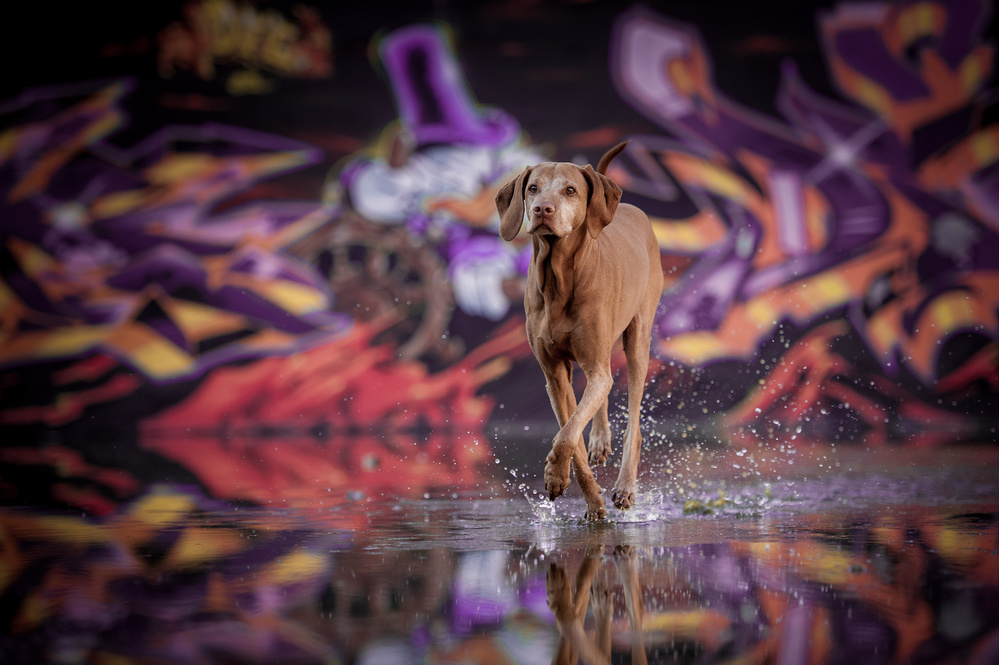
893, 561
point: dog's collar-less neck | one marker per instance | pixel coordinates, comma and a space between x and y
555, 264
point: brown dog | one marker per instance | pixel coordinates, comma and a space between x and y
595, 276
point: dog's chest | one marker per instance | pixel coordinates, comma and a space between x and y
555, 332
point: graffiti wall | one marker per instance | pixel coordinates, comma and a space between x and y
253, 247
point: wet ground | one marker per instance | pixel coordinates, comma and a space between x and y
820, 556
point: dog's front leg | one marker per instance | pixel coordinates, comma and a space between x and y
568, 448
568, 444
558, 383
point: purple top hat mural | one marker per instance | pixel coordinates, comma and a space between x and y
433, 102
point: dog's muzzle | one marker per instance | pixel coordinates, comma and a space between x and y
542, 229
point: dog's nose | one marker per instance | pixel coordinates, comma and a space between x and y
544, 209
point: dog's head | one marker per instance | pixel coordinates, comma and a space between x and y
559, 198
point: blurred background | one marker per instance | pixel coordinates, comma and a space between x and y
251, 247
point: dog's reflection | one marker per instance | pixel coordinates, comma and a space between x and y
569, 601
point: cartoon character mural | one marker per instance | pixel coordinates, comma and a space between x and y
872, 217
439, 168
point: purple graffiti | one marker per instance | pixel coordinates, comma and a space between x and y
120, 250
433, 101
834, 190
715, 126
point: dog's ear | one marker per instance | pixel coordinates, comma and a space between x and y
510, 205
604, 197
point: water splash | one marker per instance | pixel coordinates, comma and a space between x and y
652, 506
544, 510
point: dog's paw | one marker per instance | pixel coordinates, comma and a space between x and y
599, 447
596, 512
602, 601
593, 494
556, 475
624, 496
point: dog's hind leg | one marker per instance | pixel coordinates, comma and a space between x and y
637, 340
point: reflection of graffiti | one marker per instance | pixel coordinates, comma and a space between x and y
176, 578
58, 475
346, 418
372, 612
113, 253
844, 600
439, 170
224, 31
824, 215
162, 577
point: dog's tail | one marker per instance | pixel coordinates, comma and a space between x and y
609, 156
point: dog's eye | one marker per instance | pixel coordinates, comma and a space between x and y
571, 191
532, 188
